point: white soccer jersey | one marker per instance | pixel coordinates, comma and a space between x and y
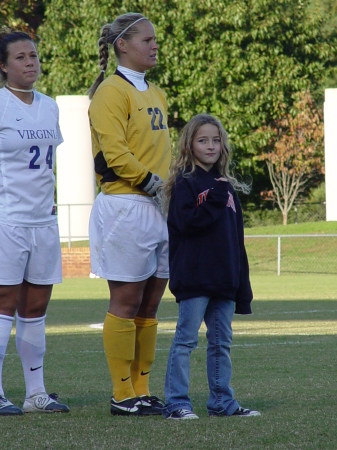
29, 135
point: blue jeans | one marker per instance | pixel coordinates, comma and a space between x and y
218, 316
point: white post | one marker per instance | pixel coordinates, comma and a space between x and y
330, 140
279, 255
76, 185
69, 226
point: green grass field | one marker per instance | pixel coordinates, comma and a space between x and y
284, 364
300, 228
299, 255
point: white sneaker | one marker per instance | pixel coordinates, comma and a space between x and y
182, 414
244, 412
8, 409
44, 403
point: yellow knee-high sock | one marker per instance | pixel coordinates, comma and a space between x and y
119, 337
146, 336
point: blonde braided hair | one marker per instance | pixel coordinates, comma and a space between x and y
122, 27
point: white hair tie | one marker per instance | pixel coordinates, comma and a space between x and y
126, 29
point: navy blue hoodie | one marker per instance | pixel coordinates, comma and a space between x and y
206, 241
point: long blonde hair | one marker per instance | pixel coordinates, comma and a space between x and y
185, 162
123, 27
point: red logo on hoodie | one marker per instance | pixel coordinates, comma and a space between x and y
202, 197
230, 203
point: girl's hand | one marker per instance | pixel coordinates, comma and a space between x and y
221, 179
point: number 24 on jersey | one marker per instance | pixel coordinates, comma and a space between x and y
35, 150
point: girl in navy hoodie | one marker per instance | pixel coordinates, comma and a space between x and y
209, 272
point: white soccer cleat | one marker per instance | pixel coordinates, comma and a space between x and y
44, 403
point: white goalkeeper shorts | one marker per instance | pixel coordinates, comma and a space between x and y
30, 253
128, 238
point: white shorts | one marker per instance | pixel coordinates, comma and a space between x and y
30, 253
128, 238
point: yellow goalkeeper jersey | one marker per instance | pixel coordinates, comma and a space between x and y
130, 136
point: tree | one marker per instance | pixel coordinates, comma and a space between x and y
328, 10
297, 153
23, 15
242, 61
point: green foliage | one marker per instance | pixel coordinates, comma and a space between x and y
301, 213
242, 61
307, 212
328, 10
22, 15
258, 217
317, 194
68, 48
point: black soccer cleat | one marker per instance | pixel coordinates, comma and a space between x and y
152, 405
128, 407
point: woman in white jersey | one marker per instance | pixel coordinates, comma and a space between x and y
30, 255
127, 231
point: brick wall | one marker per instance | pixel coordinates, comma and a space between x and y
75, 262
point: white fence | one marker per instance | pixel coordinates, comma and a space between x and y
292, 253
73, 222
270, 254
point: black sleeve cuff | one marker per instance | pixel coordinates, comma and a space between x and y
145, 181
